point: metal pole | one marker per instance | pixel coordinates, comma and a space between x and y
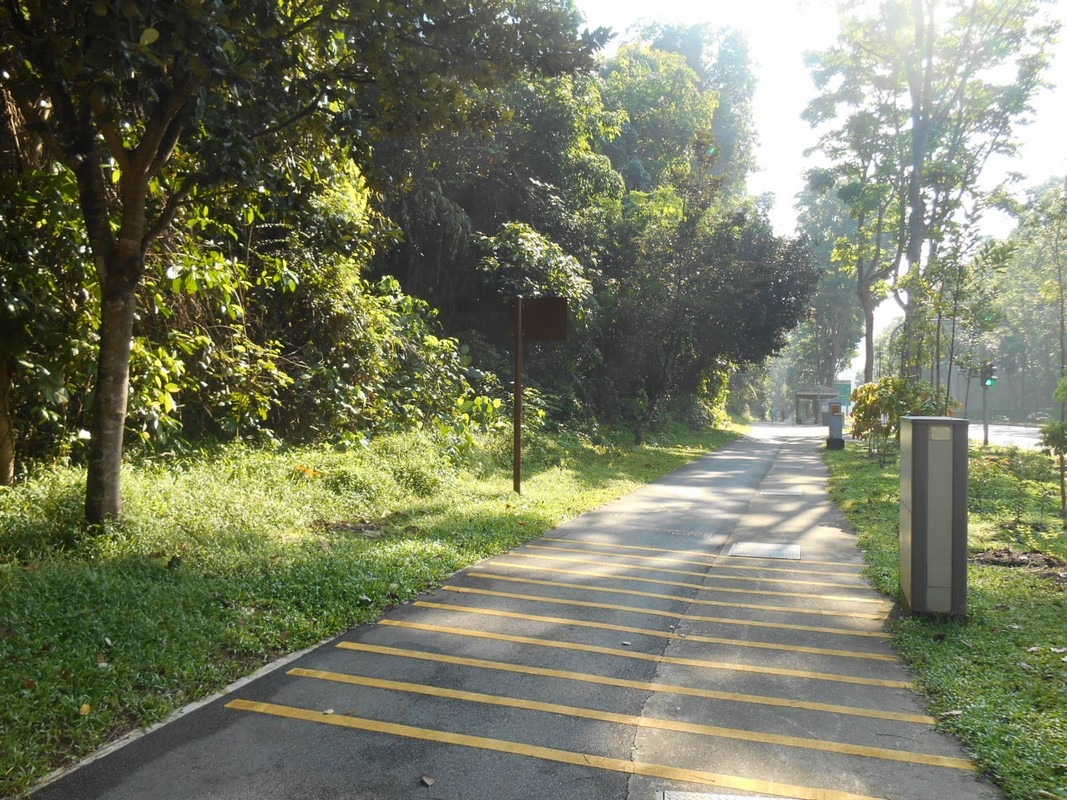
985, 418
516, 469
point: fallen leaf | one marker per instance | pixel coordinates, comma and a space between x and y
101, 659
426, 780
108, 642
85, 710
29, 684
6, 631
954, 713
284, 636
1033, 649
149, 36
1058, 650
625, 644
328, 711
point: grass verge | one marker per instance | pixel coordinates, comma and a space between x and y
998, 679
227, 560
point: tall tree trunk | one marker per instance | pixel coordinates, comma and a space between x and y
867, 302
7, 434
103, 495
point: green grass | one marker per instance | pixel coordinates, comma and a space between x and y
997, 679
229, 559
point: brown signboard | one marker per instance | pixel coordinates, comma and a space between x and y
544, 319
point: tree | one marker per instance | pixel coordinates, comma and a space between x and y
923, 94
720, 59
701, 297
154, 105
824, 344
666, 107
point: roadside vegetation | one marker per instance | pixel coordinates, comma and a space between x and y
997, 679
232, 557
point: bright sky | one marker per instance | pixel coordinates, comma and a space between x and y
779, 32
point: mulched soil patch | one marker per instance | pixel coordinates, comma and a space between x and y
1044, 565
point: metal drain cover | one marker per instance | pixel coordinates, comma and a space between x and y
669, 795
765, 550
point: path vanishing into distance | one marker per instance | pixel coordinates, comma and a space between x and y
707, 636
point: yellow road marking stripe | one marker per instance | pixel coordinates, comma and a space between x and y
655, 723
700, 586
547, 753
642, 567
821, 612
716, 564
653, 657
644, 686
689, 637
697, 553
536, 598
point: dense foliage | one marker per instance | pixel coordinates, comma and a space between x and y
304, 223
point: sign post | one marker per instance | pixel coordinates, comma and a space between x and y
535, 319
516, 463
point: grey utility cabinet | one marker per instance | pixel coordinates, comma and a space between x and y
933, 515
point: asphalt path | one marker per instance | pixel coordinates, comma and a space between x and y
708, 636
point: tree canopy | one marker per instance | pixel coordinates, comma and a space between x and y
303, 222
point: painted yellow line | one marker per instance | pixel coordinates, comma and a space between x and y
697, 553
548, 754
786, 626
654, 723
643, 686
717, 564
700, 586
820, 612
689, 637
693, 573
698, 663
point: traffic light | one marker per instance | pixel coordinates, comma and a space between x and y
989, 375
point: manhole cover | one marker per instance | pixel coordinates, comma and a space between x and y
765, 550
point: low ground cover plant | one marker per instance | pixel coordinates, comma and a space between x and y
231, 557
997, 679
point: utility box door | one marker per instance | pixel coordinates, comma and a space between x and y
933, 514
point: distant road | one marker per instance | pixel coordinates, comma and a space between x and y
1008, 435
